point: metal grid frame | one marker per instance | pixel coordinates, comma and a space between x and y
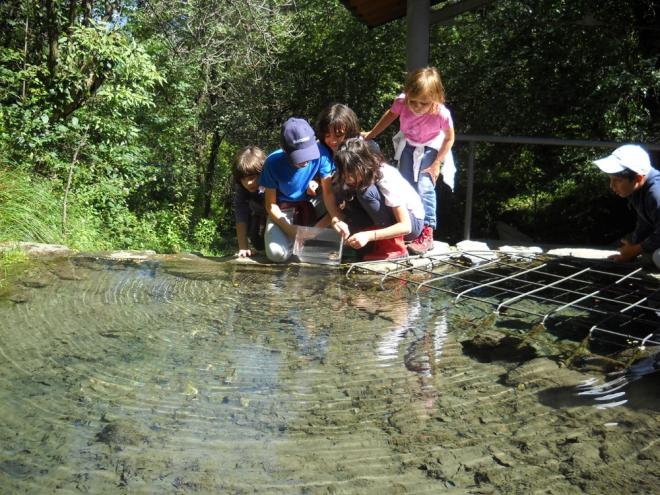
621, 302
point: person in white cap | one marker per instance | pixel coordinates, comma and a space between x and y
633, 177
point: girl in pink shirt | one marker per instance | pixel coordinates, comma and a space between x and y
426, 136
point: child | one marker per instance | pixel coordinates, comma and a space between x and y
385, 210
633, 177
336, 123
428, 135
286, 178
248, 199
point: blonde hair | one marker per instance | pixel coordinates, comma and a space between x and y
425, 82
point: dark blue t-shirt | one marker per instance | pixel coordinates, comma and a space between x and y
246, 203
646, 202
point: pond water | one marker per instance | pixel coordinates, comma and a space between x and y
195, 376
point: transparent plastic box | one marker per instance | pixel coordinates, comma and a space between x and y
318, 246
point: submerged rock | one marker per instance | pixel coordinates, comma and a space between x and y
491, 345
118, 433
36, 282
542, 372
67, 270
16, 469
487, 340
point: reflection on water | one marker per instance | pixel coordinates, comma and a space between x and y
202, 377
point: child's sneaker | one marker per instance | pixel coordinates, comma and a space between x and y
423, 243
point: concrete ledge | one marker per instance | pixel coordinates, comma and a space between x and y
36, 249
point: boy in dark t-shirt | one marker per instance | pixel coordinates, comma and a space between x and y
248, 200
633, 177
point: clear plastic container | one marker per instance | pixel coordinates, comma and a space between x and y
319, 246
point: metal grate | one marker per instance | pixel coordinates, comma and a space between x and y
610, 306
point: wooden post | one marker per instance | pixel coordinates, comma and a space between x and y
417, 44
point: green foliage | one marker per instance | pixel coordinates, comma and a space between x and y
573, 70
10, 260
11, 257
135, 122
335, 58
29, 211
204, 235
99, 51
166, 228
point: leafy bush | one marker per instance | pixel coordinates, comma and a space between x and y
204, 235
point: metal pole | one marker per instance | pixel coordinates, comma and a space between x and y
469, 193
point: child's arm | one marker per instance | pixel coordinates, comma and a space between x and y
241, 207
330, 203
627, 251
241, 235
434, 169
384, 122
275, 214
401, 227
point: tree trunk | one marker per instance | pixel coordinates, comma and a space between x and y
53, 36
73, 8
87, 12
65, 201
25, 55
209, 175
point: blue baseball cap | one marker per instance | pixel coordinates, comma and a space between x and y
299, 141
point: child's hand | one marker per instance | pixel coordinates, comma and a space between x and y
364, 134
312, 187
433, 171
342, 229
244, 253
627, 252
358, 240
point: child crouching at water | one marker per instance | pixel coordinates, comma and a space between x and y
287, 176
248, 199
381, 207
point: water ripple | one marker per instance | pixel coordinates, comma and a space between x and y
203, 377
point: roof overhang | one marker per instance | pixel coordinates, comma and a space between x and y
375, 13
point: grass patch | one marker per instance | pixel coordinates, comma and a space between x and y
9, 261
29, 211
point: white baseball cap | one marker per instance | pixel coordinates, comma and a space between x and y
628, 156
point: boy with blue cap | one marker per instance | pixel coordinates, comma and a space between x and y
633, 177
286, 177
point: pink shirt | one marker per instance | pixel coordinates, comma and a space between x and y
421, 128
